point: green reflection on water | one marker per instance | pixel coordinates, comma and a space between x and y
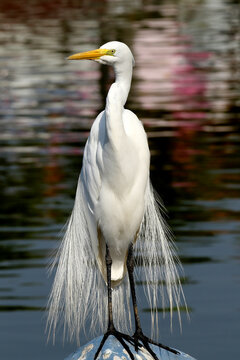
12, 308
168, 310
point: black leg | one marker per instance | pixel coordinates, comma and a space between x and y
138, 335
111, 328
108, 265
130, 267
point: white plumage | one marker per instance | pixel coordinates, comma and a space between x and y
114, 204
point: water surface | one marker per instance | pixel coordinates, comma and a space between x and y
185, 90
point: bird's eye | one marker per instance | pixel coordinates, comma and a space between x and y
111, 52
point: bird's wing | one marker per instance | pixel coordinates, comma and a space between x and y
90, 176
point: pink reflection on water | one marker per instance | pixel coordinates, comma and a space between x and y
170, 81
190, 86
167, 76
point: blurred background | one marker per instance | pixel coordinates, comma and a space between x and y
185, 89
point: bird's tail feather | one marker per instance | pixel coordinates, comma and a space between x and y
79, 293
159, 264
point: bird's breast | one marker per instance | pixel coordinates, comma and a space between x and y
119, 220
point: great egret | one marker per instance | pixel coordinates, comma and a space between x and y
115, 213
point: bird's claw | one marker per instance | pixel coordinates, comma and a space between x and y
120, 337
143, 341
138, 340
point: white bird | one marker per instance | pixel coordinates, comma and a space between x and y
115, 213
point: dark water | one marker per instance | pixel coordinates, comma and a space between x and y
185, 90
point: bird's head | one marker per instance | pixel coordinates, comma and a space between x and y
111, 53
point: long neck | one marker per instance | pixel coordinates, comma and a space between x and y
123, 79
116, 99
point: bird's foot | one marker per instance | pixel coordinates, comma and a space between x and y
122, 338
140, 340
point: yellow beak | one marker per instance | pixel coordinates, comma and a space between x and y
89, 55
